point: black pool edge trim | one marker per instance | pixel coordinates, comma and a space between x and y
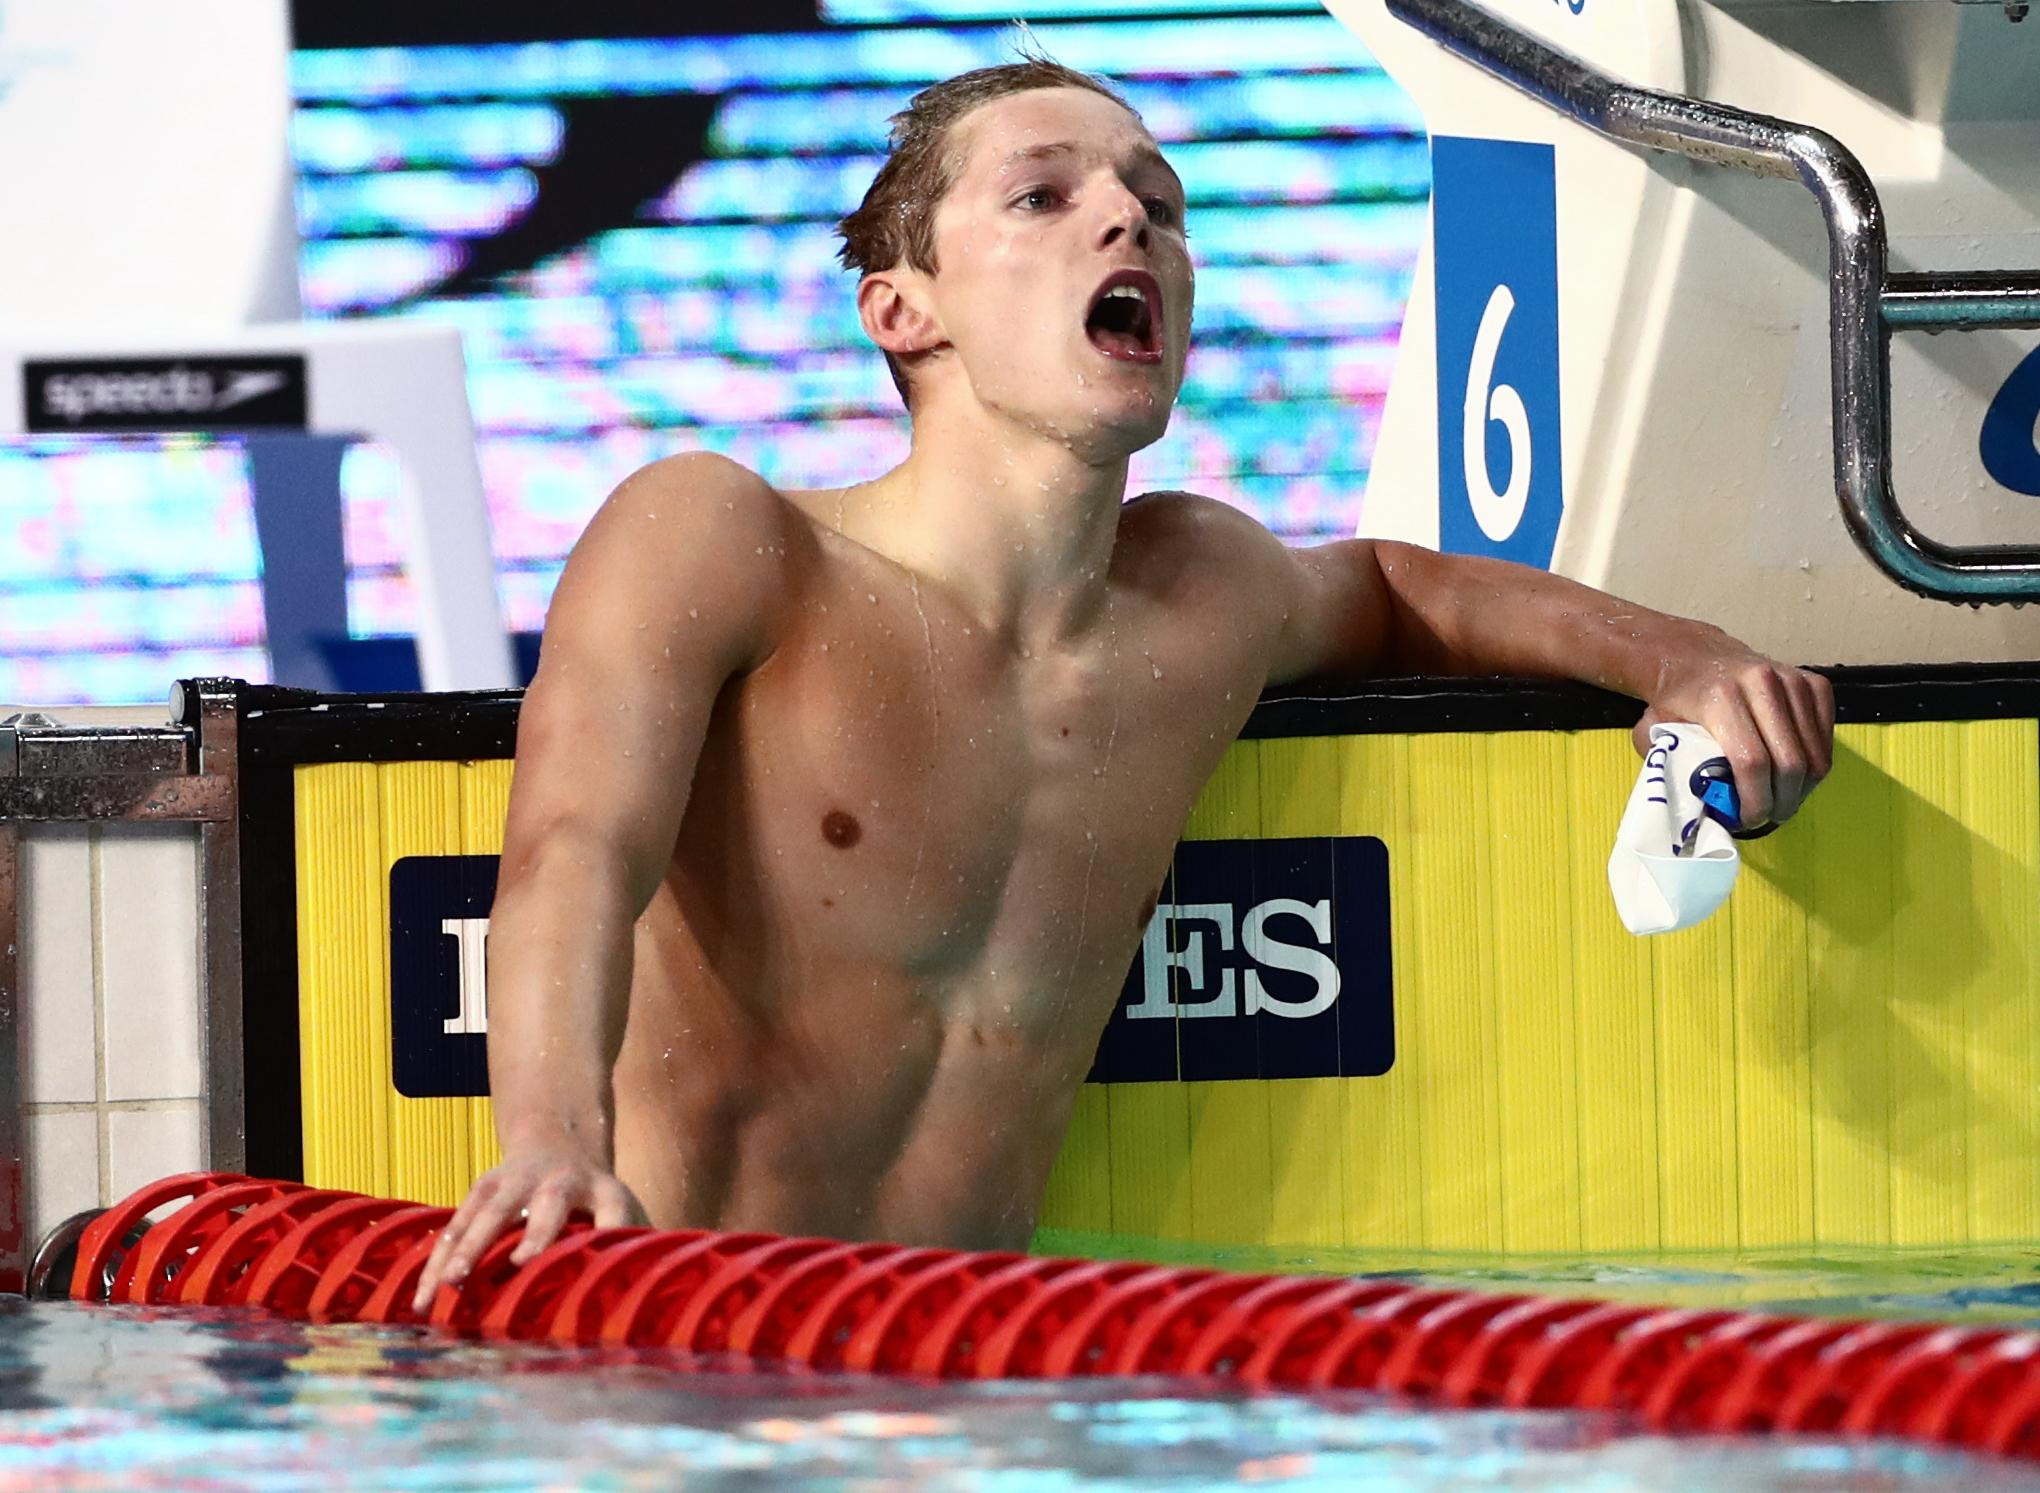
271, 1063
290, 727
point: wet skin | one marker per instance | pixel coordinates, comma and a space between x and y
838, 816
910, 879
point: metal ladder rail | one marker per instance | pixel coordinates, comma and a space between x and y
1867, 301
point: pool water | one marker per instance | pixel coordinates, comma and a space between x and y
1973, 1286
137, 1399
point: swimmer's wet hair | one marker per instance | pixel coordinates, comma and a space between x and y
895, 223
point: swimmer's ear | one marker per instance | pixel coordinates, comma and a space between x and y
897, 313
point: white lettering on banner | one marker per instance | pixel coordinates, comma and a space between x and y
1497, 513
471, 943
180, 391
1298, 958
1158, 959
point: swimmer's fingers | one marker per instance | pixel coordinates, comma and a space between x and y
616, 1206
1771, 704
1813, 702
449, 1236
1640, 732
1732, 723
464, 1239
546, 1216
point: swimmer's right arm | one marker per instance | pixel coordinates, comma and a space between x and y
667, 595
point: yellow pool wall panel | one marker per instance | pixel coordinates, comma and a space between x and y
1848, 1054
356, 821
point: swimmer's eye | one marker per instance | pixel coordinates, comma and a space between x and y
1038, 199
1160, 210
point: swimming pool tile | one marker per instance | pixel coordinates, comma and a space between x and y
149, 961
146, 1145
63, 1168
56, 966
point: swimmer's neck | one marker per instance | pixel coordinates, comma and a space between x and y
1016, 524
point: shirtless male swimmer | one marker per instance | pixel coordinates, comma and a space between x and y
838, 815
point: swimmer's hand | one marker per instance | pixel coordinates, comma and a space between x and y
1775, 723
542, 1188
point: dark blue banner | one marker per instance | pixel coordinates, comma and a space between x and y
1265, 959
439, 1011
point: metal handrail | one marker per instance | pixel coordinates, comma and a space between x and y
1866, 301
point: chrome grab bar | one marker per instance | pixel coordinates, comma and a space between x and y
1867, 302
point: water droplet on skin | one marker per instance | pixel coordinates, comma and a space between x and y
1157, 668
694, 612
868, 596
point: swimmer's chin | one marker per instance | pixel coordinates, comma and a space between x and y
1100, 435
1131, 420
1118, 441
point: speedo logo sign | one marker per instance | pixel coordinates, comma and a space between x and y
165, 393
1264, 959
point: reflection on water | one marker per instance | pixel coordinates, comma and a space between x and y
142, 1399
1973, 1286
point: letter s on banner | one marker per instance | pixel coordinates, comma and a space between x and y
1301, 958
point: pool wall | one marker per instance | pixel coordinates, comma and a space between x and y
1847, 1054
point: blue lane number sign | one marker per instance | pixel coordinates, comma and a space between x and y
1494, 206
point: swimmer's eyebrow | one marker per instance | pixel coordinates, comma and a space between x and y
1026, 155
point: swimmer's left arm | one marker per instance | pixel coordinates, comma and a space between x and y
1375, 607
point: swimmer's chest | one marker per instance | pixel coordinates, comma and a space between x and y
921, 797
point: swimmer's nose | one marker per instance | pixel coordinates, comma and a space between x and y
1128, 219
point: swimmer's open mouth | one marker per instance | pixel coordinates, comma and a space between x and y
1125, 319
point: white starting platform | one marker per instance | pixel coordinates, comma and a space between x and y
1671, 331
273, 387
148, 285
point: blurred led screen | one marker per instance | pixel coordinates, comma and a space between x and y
634, 235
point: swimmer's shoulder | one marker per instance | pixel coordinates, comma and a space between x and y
700, 508
697, 494
692, 525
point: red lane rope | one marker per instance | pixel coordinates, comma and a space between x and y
220, 1239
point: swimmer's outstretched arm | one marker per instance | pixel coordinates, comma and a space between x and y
1376, 607
667, 596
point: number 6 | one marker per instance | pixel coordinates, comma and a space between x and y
1497, 513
